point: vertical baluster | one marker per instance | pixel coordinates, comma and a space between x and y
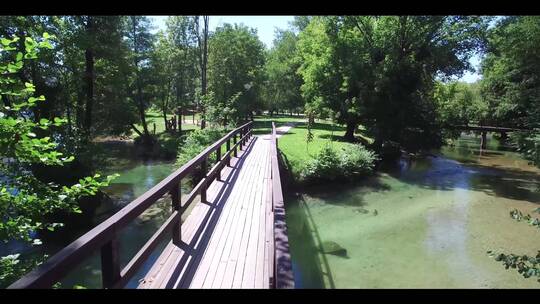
176, 204
228, 148
218, 157
203, 186
241, 140
234, 143
110, 263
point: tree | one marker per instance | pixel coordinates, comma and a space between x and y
381, 71
282, 83
184, 43
510, 84
202, 35
235, 66
26, 201
460, 103
140, 42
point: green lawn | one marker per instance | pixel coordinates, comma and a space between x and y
297, 152
263, 123
293, 144
153, 116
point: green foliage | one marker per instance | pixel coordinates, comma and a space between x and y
330, 164
196, 142
25, 200
235, 65
528, 266
381, 70
12, 268
282, 84
528, 144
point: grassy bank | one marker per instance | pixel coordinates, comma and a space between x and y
297, 153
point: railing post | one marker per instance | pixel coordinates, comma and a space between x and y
218, 157
203, 186
110, 263
241, 139
176, 204
234, 143
228, 148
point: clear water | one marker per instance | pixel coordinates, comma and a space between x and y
420, 223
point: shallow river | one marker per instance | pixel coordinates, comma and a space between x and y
424, 223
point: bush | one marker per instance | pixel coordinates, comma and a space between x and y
352, 160
196, 142
528, 144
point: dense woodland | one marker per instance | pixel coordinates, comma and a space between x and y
66, 81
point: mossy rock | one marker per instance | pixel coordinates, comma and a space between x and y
330, 247
361, 210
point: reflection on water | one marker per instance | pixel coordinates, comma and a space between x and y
429, 223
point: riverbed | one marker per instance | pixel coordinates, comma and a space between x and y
420, 223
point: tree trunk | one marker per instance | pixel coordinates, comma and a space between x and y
349, 134
179, 110
89, 79
202, 41
165, 118
483, 142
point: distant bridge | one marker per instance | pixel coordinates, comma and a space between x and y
485, 129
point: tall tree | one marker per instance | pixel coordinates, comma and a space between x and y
380, 71
202, 34
235, 69
282, 83
140, 42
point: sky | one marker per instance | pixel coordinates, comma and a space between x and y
266, 26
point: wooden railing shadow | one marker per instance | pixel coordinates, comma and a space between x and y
211, 218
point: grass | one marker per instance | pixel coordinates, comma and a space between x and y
263, 123
293, 144
153, 116
297, 152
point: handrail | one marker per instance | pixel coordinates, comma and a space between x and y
282, 266
105, 235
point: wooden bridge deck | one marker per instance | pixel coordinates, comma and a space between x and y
226, 243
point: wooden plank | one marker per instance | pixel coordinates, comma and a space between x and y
237, 227
199, 276
234, 203
248, 186
241, 264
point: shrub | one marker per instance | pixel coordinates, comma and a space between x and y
352, 160
196, 142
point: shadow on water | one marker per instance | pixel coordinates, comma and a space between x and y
494, 172
310, 266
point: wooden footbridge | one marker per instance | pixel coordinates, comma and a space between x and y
234, 234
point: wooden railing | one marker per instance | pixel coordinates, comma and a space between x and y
105, 236
282, 276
